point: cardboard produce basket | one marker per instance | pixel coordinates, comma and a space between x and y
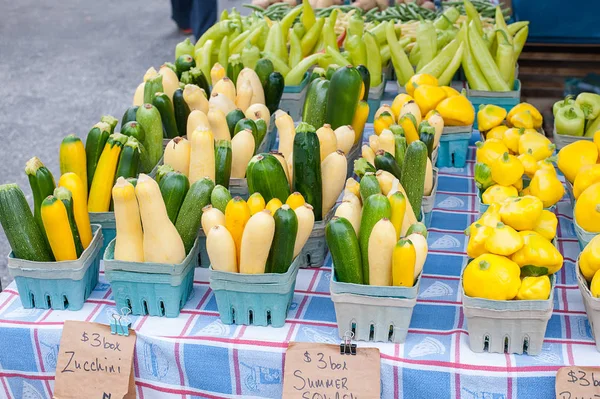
58, 285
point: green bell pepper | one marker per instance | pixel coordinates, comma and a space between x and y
589, 104
570, 121
568, 101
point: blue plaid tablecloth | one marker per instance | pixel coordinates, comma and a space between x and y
197, 356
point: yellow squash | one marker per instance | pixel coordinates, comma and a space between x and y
360, 119
521, 213
398, 206
530, 164
489, 151
546, 225
507, 170
539, 145
546, 186
503, 240
538, 255
595, 286
497, 133
587, 209
589, 260
547, 164
534, 288
518, 185
129, 243
498, 193
104, 177
404, 258
490, 116
450, 91
273, 205
399, 102
535, 114
522, 120
296, 199
382, 122
418, 80
456, 111
588, 175
353, 186
492, 277
256, 203
410, 130
511, 139
491, 217
58, 229
237, 215
574, 156
428, 97
72, 158
478, 235
73, 183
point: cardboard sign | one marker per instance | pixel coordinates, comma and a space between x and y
578, 383
319, 371
93, 363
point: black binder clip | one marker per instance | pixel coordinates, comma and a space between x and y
347, 347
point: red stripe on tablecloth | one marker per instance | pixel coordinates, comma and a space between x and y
179, 391
443, 252
93, 312
509, 379
32, 323
201, 282
313, 280
311, 293
45, 315
444, 231
10, 298
203, 299
5, 387
457, 194
17, 374
237, 374
142, 320
38, 349
452, 211
440, 277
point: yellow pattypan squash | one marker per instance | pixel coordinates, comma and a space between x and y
491, 217
541, 147
399, 102
597, 139
530, 164
534, 288
518, 184
525, 191
507, 169
521, 213
497, 133
572, 157
490, 150
503, 240
450, 91
522, 120
547, 164
498, 193
419, 80
478, 234
546, 186
546, 225
595, 285
428, 97
511, 139
456, 111
492, 277
538, 256
535, 114
489, 116
587, 209
588, 175
589, 260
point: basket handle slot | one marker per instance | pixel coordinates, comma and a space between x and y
486, 343
48, 301
308, 260
128, 302
525, 344
65, 301
199, 260
144, 307
391, 333
32, 299
250, 316
233, 315
372, 332
506, 344
353, 328
161, 308
268, 317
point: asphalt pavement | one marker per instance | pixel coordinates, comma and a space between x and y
64, 64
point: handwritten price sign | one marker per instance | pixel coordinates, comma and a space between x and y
578, 383
319, 371
93, 363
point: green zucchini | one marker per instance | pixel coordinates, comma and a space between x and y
345, 250
190, 213
110, 121
181, 111
274, 91
163, 103
263, 68
233, 117
183, 64
173, 188
195, 76
375, 208
362, 166
234, 67
151, 87
162, 171
22, 232
314, 111
261, 132
129, 159
223, 162
135, 130
282, 248
307, 167
331, 70
400, 149
220, 197
366, 79
418, 228
247, 123
369, 185
386, 161
413, 180
66, 197
397, 130
149, 117
427, 135
267, 177
94, 145
316, 73
344, 89
128, 116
